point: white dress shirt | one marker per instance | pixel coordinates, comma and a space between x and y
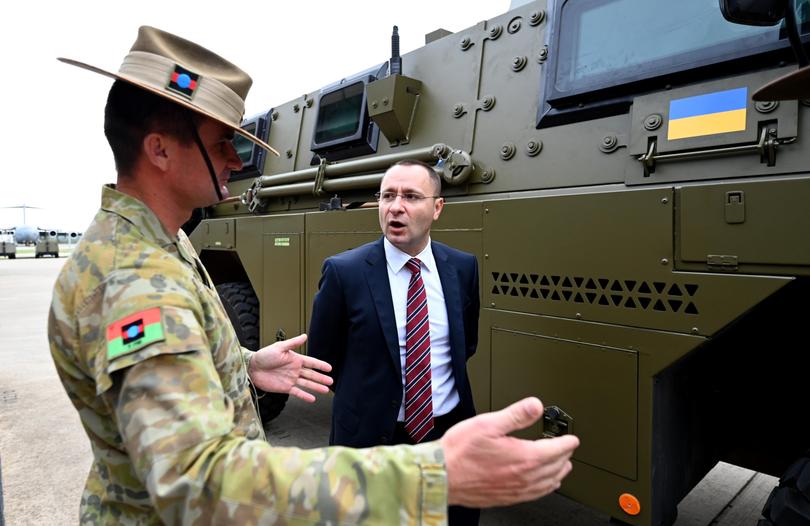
445, 396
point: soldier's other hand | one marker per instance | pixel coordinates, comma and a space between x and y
279, 369
485, 467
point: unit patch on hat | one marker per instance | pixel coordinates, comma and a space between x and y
134, 332
183, 81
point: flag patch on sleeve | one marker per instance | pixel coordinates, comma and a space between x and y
134, 332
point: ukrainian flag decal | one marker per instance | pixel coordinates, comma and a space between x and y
719, 112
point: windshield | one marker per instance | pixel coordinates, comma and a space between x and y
605, 42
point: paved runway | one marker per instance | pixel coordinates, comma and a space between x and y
45, 456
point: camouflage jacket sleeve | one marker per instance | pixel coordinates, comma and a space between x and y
180, 437
179, 422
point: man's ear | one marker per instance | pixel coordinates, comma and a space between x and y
438, 206
156, 150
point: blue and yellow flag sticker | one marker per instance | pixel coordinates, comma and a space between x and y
134, 332
718, 112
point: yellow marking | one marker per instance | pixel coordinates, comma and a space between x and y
722, 122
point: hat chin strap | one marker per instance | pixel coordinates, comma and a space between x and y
207, 159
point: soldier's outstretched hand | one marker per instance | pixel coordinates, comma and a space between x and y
486, 468
279, 369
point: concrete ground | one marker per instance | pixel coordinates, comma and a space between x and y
45, 455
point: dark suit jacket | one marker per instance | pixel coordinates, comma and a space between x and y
354, 329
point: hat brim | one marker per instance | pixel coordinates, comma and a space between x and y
794, 85
171, 97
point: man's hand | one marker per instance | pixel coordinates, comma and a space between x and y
486, 468
279, 369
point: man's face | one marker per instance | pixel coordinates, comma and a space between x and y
406, 223
193, 181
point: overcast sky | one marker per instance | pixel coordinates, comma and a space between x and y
54, 155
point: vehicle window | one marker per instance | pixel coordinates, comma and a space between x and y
604, 43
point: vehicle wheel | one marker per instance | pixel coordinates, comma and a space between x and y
789, 502
12, 256
242, 306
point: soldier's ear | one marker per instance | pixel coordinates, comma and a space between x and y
156, 150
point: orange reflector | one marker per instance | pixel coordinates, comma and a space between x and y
629, 504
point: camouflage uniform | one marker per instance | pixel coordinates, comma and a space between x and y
148, 357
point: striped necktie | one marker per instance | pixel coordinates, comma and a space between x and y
418, 392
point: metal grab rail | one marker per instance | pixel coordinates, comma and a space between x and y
765, 147
455, 169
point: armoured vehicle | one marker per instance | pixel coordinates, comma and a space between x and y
641, 226
47, 244
8, 247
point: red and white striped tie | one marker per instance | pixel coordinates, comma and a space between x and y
418, 392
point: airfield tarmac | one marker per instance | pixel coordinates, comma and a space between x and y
45, 455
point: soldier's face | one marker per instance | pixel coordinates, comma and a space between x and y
194, 175
406, 222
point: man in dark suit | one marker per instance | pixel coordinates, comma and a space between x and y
398, 319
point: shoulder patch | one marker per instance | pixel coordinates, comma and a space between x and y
134, 332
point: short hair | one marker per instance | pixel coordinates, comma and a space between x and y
434, 176
132, 113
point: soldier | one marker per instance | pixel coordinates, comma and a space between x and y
149, 359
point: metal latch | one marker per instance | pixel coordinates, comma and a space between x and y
556, 422
735, 207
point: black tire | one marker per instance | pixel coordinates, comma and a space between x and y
12, 256
789, 502
242, 306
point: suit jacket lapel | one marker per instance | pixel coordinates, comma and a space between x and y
377, 278
452, 301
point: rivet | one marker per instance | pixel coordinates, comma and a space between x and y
695, 330
288, 153
536, 17
533, 147
492, 304
385, 101
465, 43
542, 55
488, 175
518, 63
609, 144
495, 32
653, 122
296, 108
766, 106
309, 103
664, 261
487, 103
486, 256
514, 26
507, 151
579, 315
374, 104
664, 200
458, 110
274, 116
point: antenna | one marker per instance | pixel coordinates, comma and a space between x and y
396, 60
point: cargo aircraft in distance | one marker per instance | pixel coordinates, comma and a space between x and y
26, 234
